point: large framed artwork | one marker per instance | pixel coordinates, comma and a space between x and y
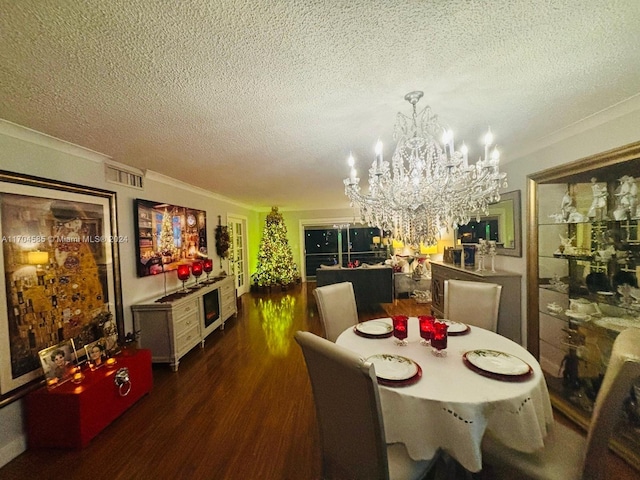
167, 235
60, 272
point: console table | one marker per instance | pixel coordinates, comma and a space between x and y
70, 415
371, 285
172, 326
509, 324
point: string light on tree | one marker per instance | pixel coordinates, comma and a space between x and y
275, 258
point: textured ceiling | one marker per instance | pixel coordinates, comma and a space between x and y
262, 101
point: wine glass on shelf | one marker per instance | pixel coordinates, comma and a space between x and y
426, 328
184, 272
400, 326
197, 269
207, 266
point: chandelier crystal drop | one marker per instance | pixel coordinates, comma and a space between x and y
428, 186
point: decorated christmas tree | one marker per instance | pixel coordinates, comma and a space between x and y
166, 244
275, 259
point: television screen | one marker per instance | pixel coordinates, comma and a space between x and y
167, 235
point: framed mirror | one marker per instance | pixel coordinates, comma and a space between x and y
502, 224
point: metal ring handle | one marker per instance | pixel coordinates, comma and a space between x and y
128, 389
123, 381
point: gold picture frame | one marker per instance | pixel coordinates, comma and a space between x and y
60, 271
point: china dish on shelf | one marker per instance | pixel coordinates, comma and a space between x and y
617, 324
395, 370
498, 365
582, 317
582, 305
374, 328
456, 328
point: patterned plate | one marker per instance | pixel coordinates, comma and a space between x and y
374, 329
393, 367
495, 364
456, 328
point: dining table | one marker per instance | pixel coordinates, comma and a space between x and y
453, 400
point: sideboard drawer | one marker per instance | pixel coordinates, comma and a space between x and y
188, 339
186, 322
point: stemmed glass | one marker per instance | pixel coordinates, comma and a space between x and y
207, 266
196, 269
426, 328
400, 324
183, 274
439, 339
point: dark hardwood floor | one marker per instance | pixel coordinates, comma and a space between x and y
241, 408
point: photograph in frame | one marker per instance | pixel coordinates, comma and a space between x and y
96, 353
57, 363
60, 271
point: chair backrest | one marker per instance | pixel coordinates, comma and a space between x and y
347, 403
337, 308
473, 303
623, 370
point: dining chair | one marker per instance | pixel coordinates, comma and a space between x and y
473, 303
337, 308
568, 455
352, 438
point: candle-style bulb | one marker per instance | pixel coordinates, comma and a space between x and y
488, 138
378, 148
350, 161
465, 154
495, 155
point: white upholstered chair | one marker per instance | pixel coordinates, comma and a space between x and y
473, 303
337, 308
352, 438
567, 455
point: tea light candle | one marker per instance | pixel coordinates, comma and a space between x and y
110, 362
77, 377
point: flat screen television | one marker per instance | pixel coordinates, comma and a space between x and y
167, 235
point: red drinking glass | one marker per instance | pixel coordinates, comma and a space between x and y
426, 328
400, 330
439, 338
183, 274
207, 266
196, 269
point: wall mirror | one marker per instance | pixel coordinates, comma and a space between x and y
502, 224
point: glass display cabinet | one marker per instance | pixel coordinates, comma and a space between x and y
583, 268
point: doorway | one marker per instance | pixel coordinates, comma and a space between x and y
238, 266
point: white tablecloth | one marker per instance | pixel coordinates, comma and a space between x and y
451, 406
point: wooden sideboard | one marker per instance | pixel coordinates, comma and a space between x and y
509, 319
173, 325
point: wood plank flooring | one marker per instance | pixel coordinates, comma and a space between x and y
241, 408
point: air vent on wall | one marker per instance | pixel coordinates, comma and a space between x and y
131, 177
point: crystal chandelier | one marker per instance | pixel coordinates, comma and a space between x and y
428, 186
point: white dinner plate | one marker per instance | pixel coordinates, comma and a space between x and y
499, 363
393, 367
375, 327
455, 328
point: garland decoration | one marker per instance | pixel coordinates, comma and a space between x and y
222, 240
